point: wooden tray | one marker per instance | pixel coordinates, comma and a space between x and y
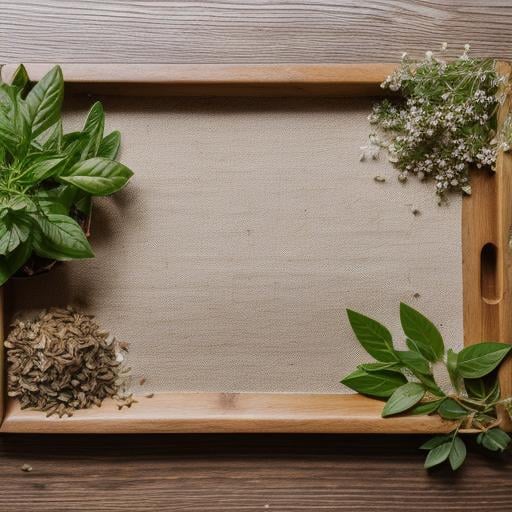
485, 275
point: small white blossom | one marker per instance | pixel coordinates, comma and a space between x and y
439, 134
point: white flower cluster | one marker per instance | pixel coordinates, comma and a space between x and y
444, 121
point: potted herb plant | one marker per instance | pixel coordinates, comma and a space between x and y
47, 177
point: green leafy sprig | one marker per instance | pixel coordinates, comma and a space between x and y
406, 379
48, 177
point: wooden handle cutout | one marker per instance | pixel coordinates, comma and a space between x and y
489, 286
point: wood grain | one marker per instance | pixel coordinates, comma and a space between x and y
218, 79
487, 261
248, 31
243, 473
219, 473
228, 412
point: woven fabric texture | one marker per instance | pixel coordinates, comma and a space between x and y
249, 226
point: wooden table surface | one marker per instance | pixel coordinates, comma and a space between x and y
245, 473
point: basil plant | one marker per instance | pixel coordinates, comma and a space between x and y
48, 177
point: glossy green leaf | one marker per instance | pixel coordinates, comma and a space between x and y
63, 194
483, 388
421, 349
429, 383
97, 176
457, 453
403, 398
84, 203
436, 441
452, 410
421, 331
9, 138
373, 336
478, 360
451, 365
426, 407
20, 78
494, 439
13, 232
14, 261
61, 238
94, 126
109, 147
373, 367
414, 361
379, 384
438, 454
44, 168
53, 137
44, 101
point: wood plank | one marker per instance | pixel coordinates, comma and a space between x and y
504, 233
218, 80
228, 412
247, 31
487, 261
234, 473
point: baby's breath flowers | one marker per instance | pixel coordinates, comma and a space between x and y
443, 122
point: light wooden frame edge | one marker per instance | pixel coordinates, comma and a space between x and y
486, 219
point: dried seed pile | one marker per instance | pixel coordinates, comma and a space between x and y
62, 361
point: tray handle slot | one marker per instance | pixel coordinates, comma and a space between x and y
489, 284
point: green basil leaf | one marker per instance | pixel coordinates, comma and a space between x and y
64, 194
436, 441
45, 100
20, 78
109, 147
14, 261
438, 455
43, 168
403, 398
84, 203
9, 138
478, 360
451, 365
94, 126
16, 204
457, 453
97, 176
13, 232
482, 390
451, 410
373, 367
421, 331
373, 336
53, 138
379, 384
426, 407
414, 361
61, 238
494, 392
424, 350
494, 439
429, 383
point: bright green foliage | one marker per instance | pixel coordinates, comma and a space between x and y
406, 379
47, 178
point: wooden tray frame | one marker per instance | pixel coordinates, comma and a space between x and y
486, 219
